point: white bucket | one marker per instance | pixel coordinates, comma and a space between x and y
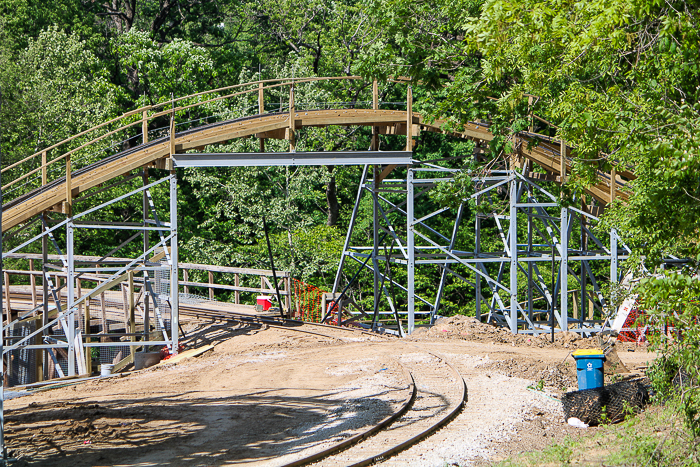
106, 369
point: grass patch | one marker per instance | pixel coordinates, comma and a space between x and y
655, 438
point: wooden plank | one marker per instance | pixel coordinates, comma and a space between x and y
231, 287
69, 191
237, 294
32, 282
375, 94
562, 161
613, 184
211, 282
278, 133
230, 270
385, 173
6, 290
186, 354
144, 127
261, 99
292, 123
43, 168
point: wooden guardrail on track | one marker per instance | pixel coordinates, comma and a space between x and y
26, 297
53, 177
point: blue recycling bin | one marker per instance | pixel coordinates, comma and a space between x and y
589, 368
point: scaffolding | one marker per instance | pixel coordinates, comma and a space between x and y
538, 235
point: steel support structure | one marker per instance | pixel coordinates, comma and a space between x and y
59, 332
509, 250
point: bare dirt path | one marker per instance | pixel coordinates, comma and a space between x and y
268, 396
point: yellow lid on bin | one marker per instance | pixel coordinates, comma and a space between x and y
586, 352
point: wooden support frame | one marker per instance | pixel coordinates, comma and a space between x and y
144, 127
292, 116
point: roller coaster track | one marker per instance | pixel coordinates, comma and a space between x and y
29, 196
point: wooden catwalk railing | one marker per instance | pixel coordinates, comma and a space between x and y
54, 177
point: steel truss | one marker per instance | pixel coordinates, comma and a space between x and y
60, 325
528, 219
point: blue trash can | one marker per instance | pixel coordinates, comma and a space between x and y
589, 368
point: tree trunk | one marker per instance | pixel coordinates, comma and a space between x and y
332, 199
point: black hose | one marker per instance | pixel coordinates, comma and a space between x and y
272, 266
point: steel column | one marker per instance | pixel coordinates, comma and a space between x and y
375, 239
174, 288
613, 254
513, 234
411, 250
70, 283
564, 270
477, 249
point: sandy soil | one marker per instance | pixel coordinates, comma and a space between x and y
268, 396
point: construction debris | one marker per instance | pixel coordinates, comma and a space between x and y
608, 404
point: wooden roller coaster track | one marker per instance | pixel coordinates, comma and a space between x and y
39, 183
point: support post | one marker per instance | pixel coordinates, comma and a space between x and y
613, 235
211, 282
172, 133
562, 161
564, 269
375, 107
409, 119
613, 184
613, 256
146, 247
411, 250
3, 450
513, 234
88, 350
375, 239
584, 251
69, 189
144, 127
477, 249
174, 288
530, 305
292, 142
261, 110
8, 303
32, 282
44, 285
44, 174
70, 283
237, 294
132, 312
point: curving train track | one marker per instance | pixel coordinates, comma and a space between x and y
438, 393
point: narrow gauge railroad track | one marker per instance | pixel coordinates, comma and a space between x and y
438, 395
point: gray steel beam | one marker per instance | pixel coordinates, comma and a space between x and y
267, 159
174, 285
70, 281
410, 218
513, 238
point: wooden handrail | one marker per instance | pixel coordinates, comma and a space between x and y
255, 86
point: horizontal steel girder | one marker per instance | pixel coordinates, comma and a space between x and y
256, 159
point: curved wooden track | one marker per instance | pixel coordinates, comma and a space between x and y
51, 194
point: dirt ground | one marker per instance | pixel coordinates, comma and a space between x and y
268, 396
